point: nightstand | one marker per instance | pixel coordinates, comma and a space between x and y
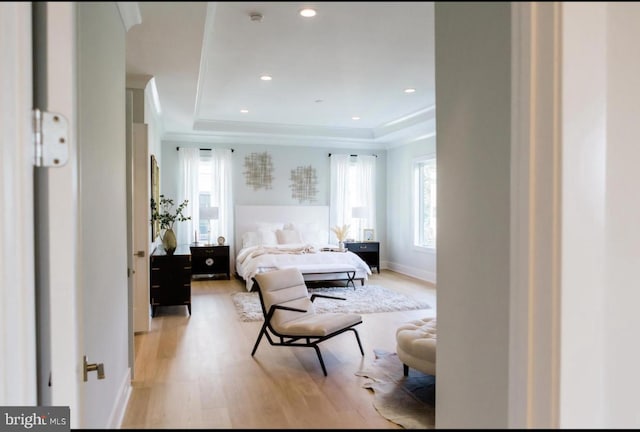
368, 251
170, 279
209, 260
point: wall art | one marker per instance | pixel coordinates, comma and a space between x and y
303, 183
258, 170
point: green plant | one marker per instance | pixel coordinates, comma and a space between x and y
164, 213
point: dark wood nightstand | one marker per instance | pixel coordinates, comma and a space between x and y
368, 251
209, 260
170, 279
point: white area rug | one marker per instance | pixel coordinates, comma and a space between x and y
364, 299
407, 401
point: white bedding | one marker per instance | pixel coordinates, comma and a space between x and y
260, 258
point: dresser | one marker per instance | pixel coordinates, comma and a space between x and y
170, 278
369, 252
210, 260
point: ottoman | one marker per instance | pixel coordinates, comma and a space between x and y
416, 345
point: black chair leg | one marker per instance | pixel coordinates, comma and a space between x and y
405, 369
255, 347
315, 347
358, 339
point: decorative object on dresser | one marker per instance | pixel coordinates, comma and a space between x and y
164, 213
170, 278
341, 234
369, 251
209, 260
367, 234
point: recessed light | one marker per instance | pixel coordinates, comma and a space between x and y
409, 90
244, 111
318, 101
355, 118
266, 78
308, 13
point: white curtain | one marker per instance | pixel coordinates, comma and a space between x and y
353, 184
339, 196
220, 164
366, 179
188, 188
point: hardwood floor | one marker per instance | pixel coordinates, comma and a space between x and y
197, 371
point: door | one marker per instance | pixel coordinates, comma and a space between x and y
80, 213
56, 215
140, 222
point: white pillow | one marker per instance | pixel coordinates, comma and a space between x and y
267, 237
288, 236
250, 238
310, 232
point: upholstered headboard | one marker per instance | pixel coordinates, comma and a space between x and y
248, 217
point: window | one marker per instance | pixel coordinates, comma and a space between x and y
205, 180
353, 180
424, 182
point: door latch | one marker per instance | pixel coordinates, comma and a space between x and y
90, 367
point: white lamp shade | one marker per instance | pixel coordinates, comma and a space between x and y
359, 212
208, 213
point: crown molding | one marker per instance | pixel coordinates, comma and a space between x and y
271, 139
129, 13
423, 116
138, 81
284, 129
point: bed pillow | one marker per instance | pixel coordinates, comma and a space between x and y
309, 232
288, 236
250, 238
267, 237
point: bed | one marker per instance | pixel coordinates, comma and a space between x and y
272, 237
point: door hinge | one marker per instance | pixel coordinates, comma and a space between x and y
51, 139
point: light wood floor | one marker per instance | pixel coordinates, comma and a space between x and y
197, 371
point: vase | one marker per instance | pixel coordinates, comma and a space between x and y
169, 242
341, 245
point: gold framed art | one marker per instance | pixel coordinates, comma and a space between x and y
155, 195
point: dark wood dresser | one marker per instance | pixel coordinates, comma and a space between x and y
209, 260
170, 278
369, 251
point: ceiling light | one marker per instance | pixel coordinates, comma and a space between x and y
266, 78
409, 90
355, 118
244, 111
255, 16
308, 13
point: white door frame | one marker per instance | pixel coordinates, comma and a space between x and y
18, 384
59, 264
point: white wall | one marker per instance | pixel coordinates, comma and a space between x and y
621, 291
473, 81
401, 255
584, 159
102, 190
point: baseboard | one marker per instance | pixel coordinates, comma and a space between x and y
423, 275
120, 407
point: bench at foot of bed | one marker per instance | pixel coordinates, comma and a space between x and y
347, 271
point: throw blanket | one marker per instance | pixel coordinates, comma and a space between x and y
256, 259
256, 251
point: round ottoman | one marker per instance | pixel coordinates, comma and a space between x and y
416, 345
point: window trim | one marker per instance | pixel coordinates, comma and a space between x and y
415, 201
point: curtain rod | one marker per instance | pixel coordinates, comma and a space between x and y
204, 149
355, 155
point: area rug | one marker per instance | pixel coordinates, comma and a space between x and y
406, 401
364, 299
